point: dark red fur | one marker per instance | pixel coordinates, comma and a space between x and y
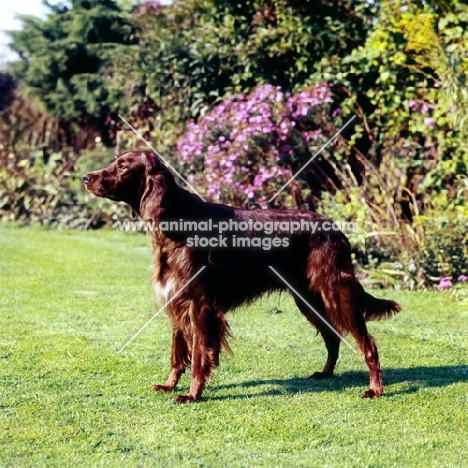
317, 265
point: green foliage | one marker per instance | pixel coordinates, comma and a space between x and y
398, 84
40, 178
61, 57
192, 54
46, 189
440, 248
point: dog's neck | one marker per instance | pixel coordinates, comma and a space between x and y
178, 205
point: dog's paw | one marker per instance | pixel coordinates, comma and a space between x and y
162, 388
372, 393
321, 376
184, 399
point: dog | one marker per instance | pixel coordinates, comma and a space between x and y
200, 280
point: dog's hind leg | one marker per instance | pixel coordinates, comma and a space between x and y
346, 311
332, 341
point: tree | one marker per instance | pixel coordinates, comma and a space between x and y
61, 58
7, 90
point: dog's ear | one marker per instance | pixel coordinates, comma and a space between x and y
153, 201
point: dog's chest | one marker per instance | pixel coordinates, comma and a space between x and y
164, 289
164, 281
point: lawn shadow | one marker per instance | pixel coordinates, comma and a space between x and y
416, 378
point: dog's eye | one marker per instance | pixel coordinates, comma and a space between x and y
122, 166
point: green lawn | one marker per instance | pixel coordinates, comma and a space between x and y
69, 300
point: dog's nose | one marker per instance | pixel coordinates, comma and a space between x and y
86, 178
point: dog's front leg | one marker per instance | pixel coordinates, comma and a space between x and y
180, 357
197, 383
208, 330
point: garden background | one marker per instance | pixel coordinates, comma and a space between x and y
238, 96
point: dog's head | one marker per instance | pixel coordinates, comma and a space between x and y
138, 178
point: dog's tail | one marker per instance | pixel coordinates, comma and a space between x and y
377, 309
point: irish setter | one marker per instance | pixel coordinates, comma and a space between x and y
315, 267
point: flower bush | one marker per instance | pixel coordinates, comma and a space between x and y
444, 283
238, 152
458, 289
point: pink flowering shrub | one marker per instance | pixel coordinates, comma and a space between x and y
238, 152
422, 108
444, 283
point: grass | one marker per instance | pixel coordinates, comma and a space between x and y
69, 300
